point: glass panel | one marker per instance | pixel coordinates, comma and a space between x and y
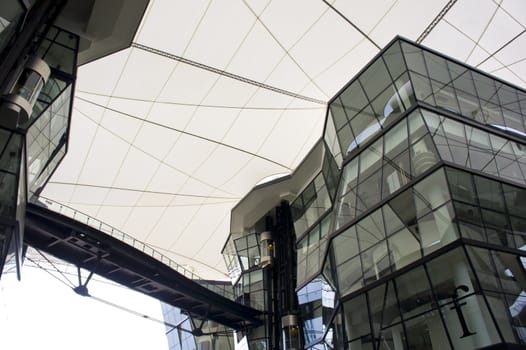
414, 58
403, 205
515, 200
364, 343
458, 273
480, 153
346, 209
484, 268
331, 140
518, 320
432, 191
468, 321
422, 86
404, 88
364, 126
11, 14
426, 332
394, 60
469, 106
396, 173
346, 139
391, 338
370, 159
456, 139
375, 79
501, 312
375, 262
461, 185
486, 89
370, 230
335, 335
469, 213
423, 156
404, 248
345, 245
519, 227
376, 305
356, 318
369, 192
67, 39
414, 293
353, 99
60, 58
391, 309
437, 68
316, 301
350, 275
417, 127
391, 220
396, 139
445, 96
462, 79
310, 205
388, 105
338, 115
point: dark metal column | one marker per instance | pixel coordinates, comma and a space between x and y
283, 272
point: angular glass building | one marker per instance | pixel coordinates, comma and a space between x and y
39, 64
407, 223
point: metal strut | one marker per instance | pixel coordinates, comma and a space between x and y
82, 288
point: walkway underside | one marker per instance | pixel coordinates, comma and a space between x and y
90, 249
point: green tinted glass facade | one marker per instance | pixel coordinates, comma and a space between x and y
428, 222
411, 232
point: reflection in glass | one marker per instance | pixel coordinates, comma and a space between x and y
356, 318
316, 300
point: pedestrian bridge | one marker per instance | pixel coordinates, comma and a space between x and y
92, 245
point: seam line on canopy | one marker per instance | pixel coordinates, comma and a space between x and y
137, 206
286, 51
140, 191
504, 66
502, 47
185, 132
488, 24
435, 21
171, 166
352, 24
200, 105
225, 73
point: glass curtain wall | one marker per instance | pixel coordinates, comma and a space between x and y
424, 246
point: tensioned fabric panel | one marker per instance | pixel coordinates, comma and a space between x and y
212, 97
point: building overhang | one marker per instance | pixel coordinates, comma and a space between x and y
262, 198
104, 27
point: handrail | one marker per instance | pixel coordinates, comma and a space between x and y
224, 290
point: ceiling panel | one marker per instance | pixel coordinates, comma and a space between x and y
222, 30
238, 92
277, 19
258, 55
407, 18
169, 25
144, 75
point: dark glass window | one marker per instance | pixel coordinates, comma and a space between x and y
404, 247
375, 79
350, 276
461, 186
394, 60
414, 293
356, 318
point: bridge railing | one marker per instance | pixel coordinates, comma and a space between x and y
224, 290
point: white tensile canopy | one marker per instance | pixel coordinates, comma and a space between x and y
215, 96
